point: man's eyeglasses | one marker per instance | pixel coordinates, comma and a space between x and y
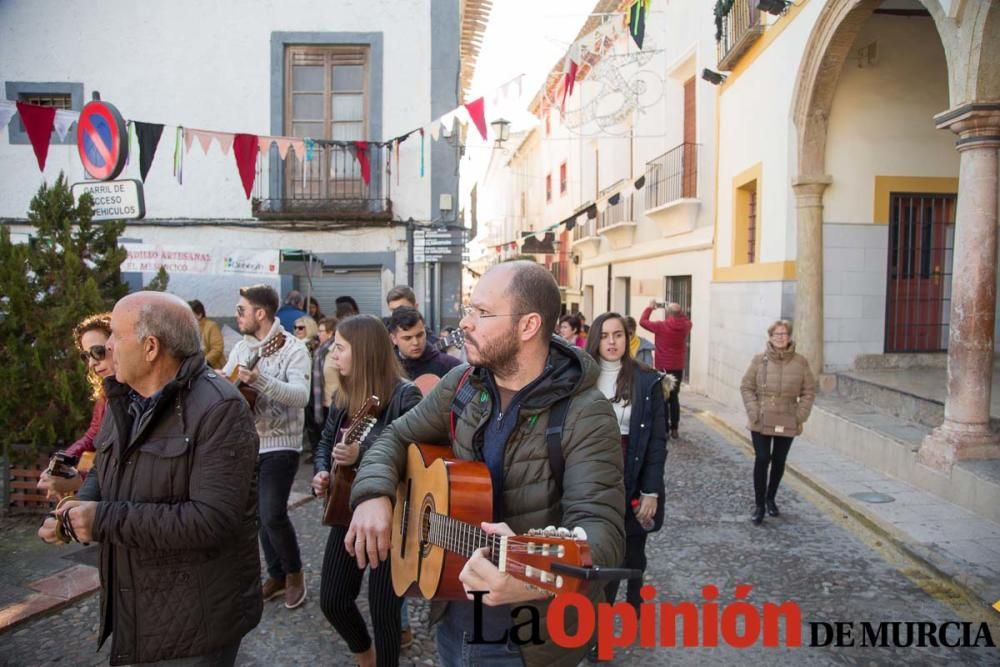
240, 310
96, 352
474, 313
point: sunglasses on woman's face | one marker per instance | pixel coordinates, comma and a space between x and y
96, 352
300, 327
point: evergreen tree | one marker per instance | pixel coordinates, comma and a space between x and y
159, 282
67, 271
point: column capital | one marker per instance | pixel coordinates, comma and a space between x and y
977, 124
809, 189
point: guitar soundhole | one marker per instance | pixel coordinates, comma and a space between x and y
426, 511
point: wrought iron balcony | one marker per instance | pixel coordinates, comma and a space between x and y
616, 213
329, 186
672, 176
737, 29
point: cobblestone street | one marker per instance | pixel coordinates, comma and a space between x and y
806, 555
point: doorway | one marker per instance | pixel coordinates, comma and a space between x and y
918, 289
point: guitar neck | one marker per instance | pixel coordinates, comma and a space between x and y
461, 537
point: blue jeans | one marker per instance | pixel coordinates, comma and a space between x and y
276, 472
455, 651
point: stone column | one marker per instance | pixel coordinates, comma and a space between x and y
808, 323
966, 433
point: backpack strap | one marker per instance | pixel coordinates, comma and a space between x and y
464, 393
553, 439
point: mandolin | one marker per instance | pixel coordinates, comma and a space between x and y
435, 530
338, 504
265, 350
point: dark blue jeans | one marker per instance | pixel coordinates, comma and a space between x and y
455, 651
275, 474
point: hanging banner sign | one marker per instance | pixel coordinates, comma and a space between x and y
145, 257
113, 200
102, 140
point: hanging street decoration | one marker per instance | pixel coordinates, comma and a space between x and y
101, 139
148, 135
38, 123
245, 151
637, 20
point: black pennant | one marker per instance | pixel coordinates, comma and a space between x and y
148, 135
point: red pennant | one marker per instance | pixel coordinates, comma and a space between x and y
245, 151
571, 75
478, 115
361, 152
38, 123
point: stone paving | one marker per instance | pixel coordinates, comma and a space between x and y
806, 555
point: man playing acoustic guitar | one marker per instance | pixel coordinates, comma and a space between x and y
519, 374
276, 366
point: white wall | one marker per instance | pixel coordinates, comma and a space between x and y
203, 66
882, 118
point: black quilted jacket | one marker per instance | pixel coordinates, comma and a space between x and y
177, 520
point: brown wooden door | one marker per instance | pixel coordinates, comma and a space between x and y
918, 289
689, 158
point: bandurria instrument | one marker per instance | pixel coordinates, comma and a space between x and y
338, 505
265, 350
435, 530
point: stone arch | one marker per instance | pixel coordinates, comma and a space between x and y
985, 74
828, 47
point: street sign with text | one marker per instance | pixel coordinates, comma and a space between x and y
113, 200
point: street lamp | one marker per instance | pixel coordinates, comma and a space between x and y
501, 131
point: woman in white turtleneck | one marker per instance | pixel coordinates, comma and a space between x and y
636, 394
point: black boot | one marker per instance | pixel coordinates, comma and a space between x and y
758, 515
772, 508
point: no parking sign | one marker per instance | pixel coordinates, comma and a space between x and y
102, 140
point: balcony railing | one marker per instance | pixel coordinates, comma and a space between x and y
327, 187
740, 28
559, 273
616, 213
672, 176
585, 230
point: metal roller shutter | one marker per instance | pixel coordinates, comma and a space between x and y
365, 285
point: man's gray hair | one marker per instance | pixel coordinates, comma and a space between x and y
174, 325
295, 298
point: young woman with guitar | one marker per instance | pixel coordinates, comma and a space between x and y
368, 368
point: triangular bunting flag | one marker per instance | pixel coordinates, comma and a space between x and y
225, 140
188, 138
299, 147
148, 135
640, 182
361, 152
602, 205
204, 139
614, 199
245, 151
477, 113
591, 212
38, 123
64, 120
434, 130
7, 111
637, 21
283, 146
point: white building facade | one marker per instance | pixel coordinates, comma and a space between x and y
367, 71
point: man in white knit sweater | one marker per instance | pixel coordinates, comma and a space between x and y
281, 380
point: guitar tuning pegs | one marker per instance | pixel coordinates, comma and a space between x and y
579, 533
563, 532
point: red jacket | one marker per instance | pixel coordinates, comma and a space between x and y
670, 337
86, 443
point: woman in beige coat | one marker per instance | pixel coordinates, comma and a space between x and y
778, 392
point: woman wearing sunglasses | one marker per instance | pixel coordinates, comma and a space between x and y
307, 331
91, 336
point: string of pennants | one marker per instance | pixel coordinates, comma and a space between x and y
581, 216
589, 48
40, 121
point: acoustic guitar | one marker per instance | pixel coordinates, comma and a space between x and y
338, 504
435, 530
265, 350
454, 338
